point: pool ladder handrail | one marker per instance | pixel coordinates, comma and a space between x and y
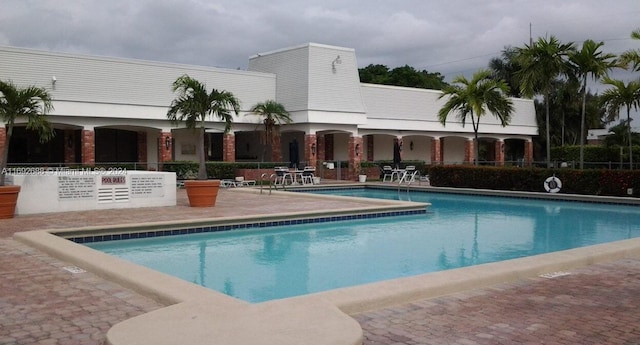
261, 181
408, 181
273, 185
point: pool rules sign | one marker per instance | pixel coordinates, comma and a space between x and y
147, 186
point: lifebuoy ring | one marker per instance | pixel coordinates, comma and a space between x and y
552, 184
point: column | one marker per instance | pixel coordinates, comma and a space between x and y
276, 149
229, 147
528, 152
355, 151
469, 151
436, 151
165, 148
499, 152
3, 140
311, 150
88, 142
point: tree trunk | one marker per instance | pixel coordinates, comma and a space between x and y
582, 121
202, 168
477, 143
546, 98
5, 153
630, 143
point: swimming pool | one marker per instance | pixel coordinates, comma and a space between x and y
459, 230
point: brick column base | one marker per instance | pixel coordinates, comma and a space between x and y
276, 149
528, 152
499, 152
469, 151
355, 156
3, 140
88, 140
311, 149
229, 148
165, 147
436, 151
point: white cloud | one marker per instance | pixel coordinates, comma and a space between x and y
451, 37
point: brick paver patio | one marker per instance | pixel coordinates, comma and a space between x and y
41, 302
592, 305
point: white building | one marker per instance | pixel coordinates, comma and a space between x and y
112, 110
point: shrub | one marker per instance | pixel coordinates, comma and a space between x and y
574, 181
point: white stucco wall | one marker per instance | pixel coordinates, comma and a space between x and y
407, 109
54, 191
318, 84
122, 88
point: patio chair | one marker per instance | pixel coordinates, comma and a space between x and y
283, 176
387, 171
409, 175
227, 183
307, 175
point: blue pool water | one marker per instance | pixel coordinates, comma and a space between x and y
457, 231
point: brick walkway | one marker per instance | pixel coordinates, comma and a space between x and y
593, 305
42, 303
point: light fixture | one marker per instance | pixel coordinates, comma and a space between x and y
53, 80
69, 141
357, 150
411, 145
313, 149
167, 143
336, 61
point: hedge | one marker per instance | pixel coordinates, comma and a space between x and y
574, 181
592, 153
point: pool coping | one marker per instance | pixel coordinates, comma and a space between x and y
309, 319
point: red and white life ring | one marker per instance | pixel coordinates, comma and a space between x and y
552, 184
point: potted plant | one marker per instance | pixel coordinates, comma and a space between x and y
362, 175
192, 106
30, 104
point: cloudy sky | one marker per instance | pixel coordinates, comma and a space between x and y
450, 36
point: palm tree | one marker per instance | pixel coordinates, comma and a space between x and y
474, 98
589, 60
273, 114
192, 106
31, 104
540, 64
618, 135
621, 95
505, 68
632, 56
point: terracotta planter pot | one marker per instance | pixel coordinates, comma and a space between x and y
202, 193
8, 201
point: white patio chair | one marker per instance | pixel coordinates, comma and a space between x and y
387, 171
308, 173
409, 175
283, 176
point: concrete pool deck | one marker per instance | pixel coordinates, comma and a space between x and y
382, 310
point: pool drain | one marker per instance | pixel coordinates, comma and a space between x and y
554, 274
73, 269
